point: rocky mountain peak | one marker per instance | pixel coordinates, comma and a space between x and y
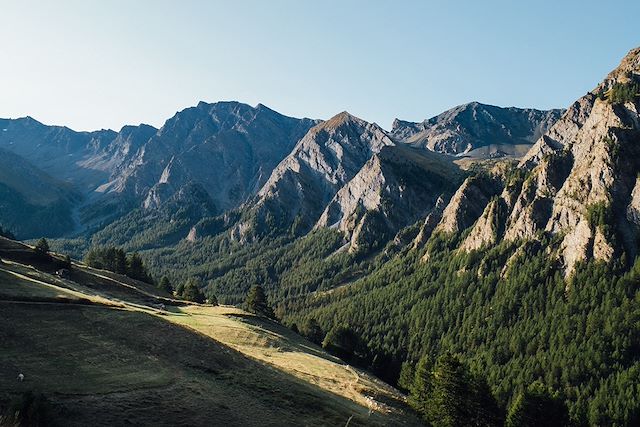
577, 181
473, 126
628, 67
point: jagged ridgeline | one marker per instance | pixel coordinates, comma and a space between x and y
506, 236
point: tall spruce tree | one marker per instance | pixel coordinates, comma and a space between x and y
421, 386
538, 405
449, 404
42, 246
257, 302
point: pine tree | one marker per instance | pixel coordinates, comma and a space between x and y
407, 374
42, 246
191, 291
135, 268
450, 403
487, 412
342, 341
257, 302
312, 330
421, 386
165, 285
538, 405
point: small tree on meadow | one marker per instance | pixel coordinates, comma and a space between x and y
342, 341
42, 246
191, 291
257, 302
212, 299
312, 330
165, 285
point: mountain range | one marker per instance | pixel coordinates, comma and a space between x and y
471, 231
233, 153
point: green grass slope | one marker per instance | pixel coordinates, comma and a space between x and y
103, 351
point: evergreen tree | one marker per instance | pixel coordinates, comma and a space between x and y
450, 403
135, 268
312, 330
212, 299
538, 405
165, 285
191, 291
407, 374
121, 264
421, 386
42, 246
487, 410
342, 341
257, 302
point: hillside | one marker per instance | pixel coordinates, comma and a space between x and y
104, 349
28, 196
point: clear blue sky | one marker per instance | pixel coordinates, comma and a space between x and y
102, 64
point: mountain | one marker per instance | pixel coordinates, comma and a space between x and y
84, 159
322, 162
228, 148
476, 129
519, 272
32, 203
393, 189
581, 179
529, 272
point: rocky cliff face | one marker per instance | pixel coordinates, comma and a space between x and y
328, 157
228, 148
393, 189
472, 126
578, 181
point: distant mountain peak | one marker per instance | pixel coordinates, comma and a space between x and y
474, 125
341, 119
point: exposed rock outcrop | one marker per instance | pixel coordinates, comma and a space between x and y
392, 190
328, 157
580, 182
468, 203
